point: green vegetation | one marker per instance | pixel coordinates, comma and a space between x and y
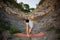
14, 30
23, 7
6, 26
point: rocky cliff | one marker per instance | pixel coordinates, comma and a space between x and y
46, 16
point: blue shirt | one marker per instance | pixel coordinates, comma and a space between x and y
30, 23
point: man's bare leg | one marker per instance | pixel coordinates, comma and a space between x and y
30, 30
27, 31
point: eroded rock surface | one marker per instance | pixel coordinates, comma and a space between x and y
46, 15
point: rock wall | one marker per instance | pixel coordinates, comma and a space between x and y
50, 18
46, 15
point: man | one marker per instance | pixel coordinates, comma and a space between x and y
29, 26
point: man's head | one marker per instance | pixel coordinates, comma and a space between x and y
31, 17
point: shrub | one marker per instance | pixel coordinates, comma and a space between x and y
8, 27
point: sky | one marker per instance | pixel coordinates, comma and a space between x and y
32, 3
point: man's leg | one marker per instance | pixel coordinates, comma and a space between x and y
30, 30
27, 31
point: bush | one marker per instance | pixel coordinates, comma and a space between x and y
8, 27
14, 30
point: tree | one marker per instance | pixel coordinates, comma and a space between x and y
23, 7
31, 9
26, 6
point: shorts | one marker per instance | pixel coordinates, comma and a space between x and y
30, 24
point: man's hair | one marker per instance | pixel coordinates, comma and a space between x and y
27, 20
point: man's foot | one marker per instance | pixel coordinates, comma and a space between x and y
28, 35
